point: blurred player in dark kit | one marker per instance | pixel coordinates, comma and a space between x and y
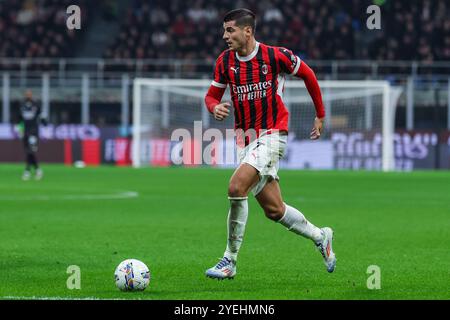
30, 118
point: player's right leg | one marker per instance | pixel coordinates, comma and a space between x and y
241, 182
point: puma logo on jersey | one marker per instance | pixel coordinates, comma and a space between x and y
233, 69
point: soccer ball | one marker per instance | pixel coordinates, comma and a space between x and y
132, 275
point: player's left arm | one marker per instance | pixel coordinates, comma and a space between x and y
312, 85
293, 65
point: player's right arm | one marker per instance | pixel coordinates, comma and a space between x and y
213, 97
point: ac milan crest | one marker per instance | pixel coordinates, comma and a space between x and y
264, 69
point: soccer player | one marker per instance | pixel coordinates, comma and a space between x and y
255, 73
30, 117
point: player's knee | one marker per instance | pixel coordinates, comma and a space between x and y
274, 212
236, 190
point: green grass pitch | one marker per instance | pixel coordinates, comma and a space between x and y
174, 219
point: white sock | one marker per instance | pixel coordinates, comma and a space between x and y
296, 222
237, 219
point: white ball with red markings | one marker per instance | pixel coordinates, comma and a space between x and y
132, 275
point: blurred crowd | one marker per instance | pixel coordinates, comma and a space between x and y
414, 30
37, 28
314, 29
192, 29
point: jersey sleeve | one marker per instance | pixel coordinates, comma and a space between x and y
219, 79
288, 62
312, 85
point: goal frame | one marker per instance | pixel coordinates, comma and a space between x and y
388, 107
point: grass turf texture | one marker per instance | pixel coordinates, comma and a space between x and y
177, 226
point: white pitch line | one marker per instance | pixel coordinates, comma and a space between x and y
119, 195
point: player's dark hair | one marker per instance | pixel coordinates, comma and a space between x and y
243, 18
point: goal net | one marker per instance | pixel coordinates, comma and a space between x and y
358, 133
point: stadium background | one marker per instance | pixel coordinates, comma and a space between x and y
174, 219
83, 78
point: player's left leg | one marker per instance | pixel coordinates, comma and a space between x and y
271, 201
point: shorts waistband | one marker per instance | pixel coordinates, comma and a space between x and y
270, 131
267, 132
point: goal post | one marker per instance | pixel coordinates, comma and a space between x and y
359, 126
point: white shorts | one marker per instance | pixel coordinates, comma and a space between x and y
264, 154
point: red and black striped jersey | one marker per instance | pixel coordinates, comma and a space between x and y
256, 85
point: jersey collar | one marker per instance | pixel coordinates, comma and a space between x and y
250, 56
